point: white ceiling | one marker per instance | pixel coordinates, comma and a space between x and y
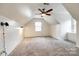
73, 9
24, 12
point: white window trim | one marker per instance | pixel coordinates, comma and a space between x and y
38, 26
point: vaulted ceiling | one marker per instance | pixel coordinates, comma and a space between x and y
73, 9
24, 12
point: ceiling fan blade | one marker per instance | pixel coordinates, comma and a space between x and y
40, 10
48, 14
49, 10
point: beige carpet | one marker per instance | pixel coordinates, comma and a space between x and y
44, 46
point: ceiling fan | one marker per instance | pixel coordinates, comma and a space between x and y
45, 12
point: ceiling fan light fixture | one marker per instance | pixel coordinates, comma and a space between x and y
43, 14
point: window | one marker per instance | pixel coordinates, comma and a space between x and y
74, 26
38, 26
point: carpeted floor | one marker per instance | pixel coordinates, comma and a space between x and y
44, 46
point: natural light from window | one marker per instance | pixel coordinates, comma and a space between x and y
74, 26
38, 26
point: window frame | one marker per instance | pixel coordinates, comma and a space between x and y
38, 26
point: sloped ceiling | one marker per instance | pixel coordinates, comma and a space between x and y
73, 9
59, 14
23, 13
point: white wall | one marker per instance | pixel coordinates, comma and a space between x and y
59, 31
55, 31
13, 36
77, 39
29, 29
